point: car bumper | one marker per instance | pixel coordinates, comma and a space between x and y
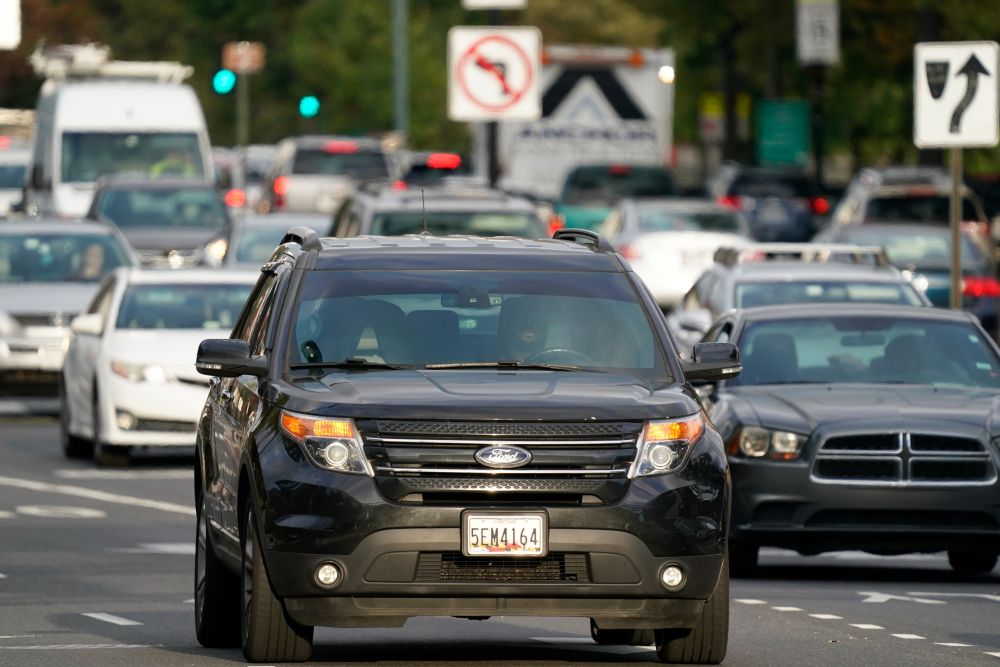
29, 367
165, 415
779, 504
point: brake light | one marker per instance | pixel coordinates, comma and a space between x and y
975, 227
730, 201
628, 252
981, 286
444, 161
819, 205
235, 198
340, 146
399, 185
4, 142
280, 187
556, 222
619, 170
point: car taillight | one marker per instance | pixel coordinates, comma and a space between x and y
280, 188
619, 170
399, 184
980, 286
556, 222
628, 252
235, 198
975, 227
819, 205
340, 146
730, 201
444, 161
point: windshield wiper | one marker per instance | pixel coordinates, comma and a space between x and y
351, 363
507, 366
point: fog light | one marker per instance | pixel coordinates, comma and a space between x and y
672, 577
336, 454
328, 574
125, 420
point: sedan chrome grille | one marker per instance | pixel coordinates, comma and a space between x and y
903, 459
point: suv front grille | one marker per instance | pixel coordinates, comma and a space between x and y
454, 566
903, 459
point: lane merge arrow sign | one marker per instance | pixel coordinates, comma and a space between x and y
949, 112
971, 69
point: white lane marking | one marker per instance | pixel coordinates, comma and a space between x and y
96, 473
750, 601
103, 496
866, 626
7, 515
191, 601
111, 618
787, 608
3, 576
74, 647
995, 655
61, 512
875, 596
827, 617
170, 548
906, 636
16, 636
954, 644
984, 596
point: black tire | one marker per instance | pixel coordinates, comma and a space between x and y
216, 592
268, 634
621, 637
106, 456
743, 558
707, 642
972, 562
73, 447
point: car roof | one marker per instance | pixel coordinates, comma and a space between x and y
799, 311
447, 199
782, 271
319, 140
54, 226
138, 276
423, 251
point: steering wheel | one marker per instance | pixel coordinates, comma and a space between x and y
559, 355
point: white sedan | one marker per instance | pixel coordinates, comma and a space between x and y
129, 378
669, 242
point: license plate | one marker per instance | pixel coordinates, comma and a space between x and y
493, 534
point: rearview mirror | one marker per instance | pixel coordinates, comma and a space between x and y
88, 324
711, 362
228, 357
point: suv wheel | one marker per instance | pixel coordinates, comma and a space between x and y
972, 562
706, 643
621, 637
106, 456
216, 592
268, 635
73, 447
742, 558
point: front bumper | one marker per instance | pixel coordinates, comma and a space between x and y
165, 414
30, 366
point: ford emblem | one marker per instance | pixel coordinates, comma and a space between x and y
503, 456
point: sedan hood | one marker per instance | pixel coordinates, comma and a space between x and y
173, 349
42, 298
475, 394
163, 239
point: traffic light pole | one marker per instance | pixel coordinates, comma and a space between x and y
243, 123
956, 217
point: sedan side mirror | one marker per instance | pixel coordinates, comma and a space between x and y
229, 358
712, 362
88, 324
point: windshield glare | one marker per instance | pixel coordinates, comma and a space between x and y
753, 294
415, 318
86, 156
214, 306
26, 258
155, 207
868, 350
490, 223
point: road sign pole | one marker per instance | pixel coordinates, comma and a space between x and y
956, 218
243, 122
400, 72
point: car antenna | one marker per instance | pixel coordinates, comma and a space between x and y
423, 208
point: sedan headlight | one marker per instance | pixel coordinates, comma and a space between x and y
756, 442
9, 326
331, 444
215, 251
152, 373
664, 445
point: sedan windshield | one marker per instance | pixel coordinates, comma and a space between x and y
340, 162
26, 258
603, 186
665, 219
162, 207
753, 294
421, 318
907, 248
869, 350
484, 223
213, 306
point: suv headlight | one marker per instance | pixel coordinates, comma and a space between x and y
664, 445
756, 442
153, 373
331, 444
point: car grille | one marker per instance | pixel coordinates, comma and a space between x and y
170, 258
454, 566
165, 425
43, 319
29, 383
903, 459
425, 461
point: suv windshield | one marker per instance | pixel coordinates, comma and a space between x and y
162, 207
484, 223
340, 162
603, 186
26, 258
419, 318
214, 306
86, 156
869, 350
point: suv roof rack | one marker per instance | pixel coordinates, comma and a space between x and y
803, 252
584, 237
304, 236
93, 61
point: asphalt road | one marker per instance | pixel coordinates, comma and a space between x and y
96, 568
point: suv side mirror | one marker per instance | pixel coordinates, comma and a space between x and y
712, 362
229, 358
88, 324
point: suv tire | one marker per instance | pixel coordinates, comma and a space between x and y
216, 592
971, 562
621, 637
268, 635
706, 643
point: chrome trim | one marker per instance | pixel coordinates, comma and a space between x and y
607, 472
497, 443
223, 530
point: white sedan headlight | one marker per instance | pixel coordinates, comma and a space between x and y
215, 251
152, 373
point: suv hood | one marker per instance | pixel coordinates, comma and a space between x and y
161, 238
488, 394
40, 297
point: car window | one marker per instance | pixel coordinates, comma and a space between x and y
181, 306
870, 350
12, 176
603, 186
434, 317
251, 309
162, 207
86, 156
340, 161
663, 219
784, 186
907, 248
441, 223
916, 208
256, 244
769, 293
26, 258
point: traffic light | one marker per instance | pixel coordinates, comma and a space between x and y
309, 106
224, 81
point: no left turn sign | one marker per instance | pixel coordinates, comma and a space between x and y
493, 74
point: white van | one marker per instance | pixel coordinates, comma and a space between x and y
97, 117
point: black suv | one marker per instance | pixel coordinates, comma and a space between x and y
458, 426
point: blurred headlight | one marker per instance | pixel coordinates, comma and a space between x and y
664, 445
331, 444
215, 251
8, 325
152, 373
756, 442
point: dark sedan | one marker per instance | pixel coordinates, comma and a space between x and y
866, 427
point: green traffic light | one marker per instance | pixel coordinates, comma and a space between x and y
224, 81
309, 106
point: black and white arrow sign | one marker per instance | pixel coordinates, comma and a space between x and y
955, 94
